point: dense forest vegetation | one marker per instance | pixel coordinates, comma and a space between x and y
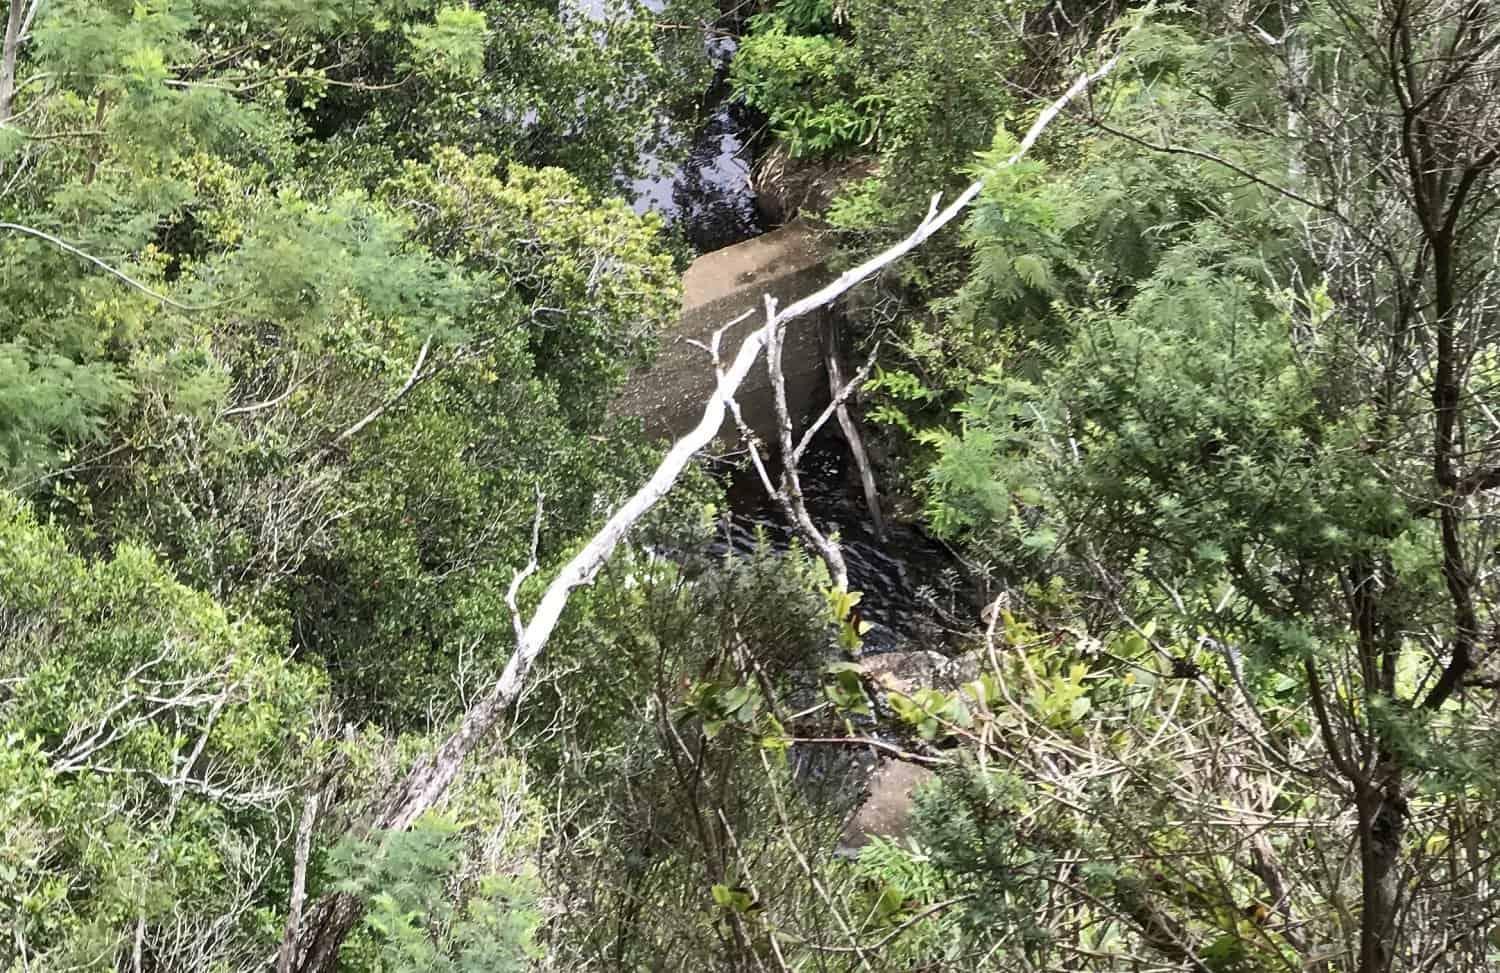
343, 625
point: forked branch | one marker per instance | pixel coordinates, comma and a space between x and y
428, 781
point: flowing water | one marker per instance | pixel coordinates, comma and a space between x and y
913, 587
914, 590
708, 197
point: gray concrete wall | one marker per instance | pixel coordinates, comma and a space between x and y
718, 288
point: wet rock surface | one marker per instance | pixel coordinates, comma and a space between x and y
887, 808
719, 288
903, 672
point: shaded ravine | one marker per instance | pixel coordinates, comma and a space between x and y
910, 582
912, 586
915, 593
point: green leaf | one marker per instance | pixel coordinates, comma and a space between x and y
736, 899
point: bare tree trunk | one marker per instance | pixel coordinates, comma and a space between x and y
851, 429
1382, 825
8, 60
1298, 69
1441, 175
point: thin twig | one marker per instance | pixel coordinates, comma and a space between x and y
889, 937
75, 251
411, 383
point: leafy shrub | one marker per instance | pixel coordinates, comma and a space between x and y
804, 84
423, 917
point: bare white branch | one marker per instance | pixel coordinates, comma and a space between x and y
380, 410
299, 884
75, 251
8, 60
841, 392
526, 572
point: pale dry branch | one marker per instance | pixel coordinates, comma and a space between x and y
429, 780
8, 60
412, 382
31, 12
271, 403
118, 274
526, 572
789, 491
841, 393
299, 883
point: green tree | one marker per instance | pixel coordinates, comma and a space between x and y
1240, 410
153, 750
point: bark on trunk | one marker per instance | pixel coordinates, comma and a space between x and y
299, 885
847, 423
8, 60
1382, 826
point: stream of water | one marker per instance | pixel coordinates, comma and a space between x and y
912, 585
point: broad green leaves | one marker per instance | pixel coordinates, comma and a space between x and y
843, 611
717, 704
843, 684
586, 280
804, 84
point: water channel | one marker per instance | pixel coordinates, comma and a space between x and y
914, 590
915, 594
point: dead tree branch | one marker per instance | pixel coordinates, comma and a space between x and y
412, 382
299, 883
789, 491
850, 428
8, 60
428, 781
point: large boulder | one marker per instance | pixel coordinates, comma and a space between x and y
718, 288
886, 811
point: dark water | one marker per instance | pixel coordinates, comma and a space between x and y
706, 195
914, 589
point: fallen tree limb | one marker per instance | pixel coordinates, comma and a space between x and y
850, 429
428, 781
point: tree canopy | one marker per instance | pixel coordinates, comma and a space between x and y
344, 626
